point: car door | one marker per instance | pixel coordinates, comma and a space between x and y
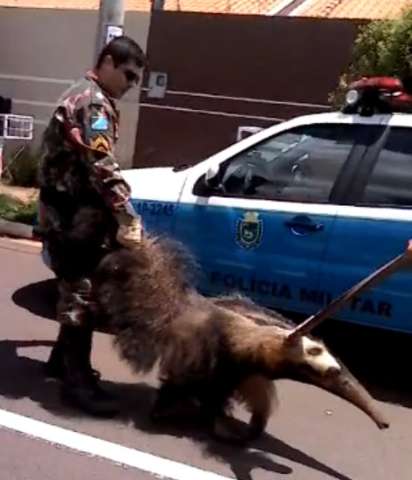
373, 228
263, 229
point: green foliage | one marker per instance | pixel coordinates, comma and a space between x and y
16, 211
381, 48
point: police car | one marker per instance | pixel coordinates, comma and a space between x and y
299, 212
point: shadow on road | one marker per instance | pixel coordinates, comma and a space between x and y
378, 358
242, 460
22, 377
39, 298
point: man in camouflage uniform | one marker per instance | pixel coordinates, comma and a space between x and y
84, 210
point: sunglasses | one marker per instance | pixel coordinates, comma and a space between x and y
131, 77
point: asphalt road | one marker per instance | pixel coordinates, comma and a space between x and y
312, 435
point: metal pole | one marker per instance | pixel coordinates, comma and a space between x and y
1, 155
111, 21
3, 134
158, 4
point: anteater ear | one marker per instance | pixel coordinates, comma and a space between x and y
296, 334
293, 337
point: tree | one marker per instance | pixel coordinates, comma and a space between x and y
382, 47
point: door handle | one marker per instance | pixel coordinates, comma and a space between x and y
302, 225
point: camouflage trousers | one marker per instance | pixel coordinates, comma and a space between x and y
75, 306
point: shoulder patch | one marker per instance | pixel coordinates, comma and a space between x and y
99, 122
100, 143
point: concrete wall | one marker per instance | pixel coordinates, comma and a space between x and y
43, 51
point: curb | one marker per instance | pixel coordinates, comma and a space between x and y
20, 245
16, 229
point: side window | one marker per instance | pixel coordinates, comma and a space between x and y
390, 182
299, 165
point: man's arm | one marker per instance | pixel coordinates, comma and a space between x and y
92, 131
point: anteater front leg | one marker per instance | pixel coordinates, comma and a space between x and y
258, 394
217, 406
173, 401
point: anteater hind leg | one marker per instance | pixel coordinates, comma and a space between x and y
177, 402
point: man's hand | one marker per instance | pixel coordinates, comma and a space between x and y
130, 231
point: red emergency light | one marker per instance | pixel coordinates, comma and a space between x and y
371, 95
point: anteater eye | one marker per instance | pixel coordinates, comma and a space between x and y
315, 351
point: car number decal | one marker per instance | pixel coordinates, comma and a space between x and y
155, 208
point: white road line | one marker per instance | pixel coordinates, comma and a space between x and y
101, 448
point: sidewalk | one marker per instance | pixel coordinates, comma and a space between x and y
20, 245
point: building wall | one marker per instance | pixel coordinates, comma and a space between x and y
43, 51
225, 71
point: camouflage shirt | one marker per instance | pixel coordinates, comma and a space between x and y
78, 165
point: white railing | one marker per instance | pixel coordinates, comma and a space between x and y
16, 127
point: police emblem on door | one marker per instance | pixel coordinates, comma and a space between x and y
249, 230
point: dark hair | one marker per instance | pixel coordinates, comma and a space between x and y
123, 50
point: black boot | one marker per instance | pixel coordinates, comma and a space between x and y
89, 398
54, 367
80, 388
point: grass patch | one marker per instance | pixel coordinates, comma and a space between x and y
15, 211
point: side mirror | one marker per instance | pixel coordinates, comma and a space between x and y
212, 176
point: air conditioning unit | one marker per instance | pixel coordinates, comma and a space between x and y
157, 85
